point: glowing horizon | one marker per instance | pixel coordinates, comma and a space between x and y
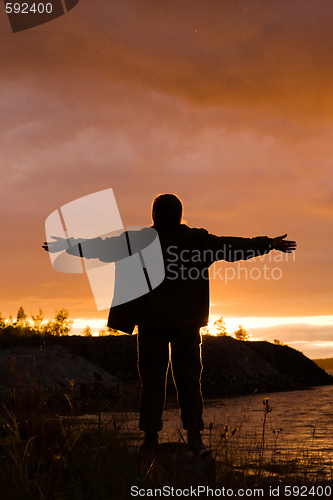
258, 329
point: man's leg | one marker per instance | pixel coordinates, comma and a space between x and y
153, 349
187, 368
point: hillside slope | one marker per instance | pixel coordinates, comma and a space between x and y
230, 366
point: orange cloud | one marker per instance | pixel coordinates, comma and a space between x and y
227, 105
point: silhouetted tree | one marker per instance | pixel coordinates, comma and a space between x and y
220, 327
87, 331
61, 325
21, 319
103, 332
37, 320
2, 321
241, 333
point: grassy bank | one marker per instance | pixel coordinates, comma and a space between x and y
45, 456
47, 451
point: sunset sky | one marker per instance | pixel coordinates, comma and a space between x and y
227, 104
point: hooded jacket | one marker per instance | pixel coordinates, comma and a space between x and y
183, 296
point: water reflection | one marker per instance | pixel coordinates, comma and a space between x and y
299, 425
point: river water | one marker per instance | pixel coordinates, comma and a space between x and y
299, 424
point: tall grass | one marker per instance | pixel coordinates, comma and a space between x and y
43, 455
46, 456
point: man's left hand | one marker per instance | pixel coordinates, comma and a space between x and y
286, 246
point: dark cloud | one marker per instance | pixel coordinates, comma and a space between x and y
227, 104
232, 180
258, 55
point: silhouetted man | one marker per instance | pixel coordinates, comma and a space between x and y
174, 312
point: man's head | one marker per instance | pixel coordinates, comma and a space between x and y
167, 211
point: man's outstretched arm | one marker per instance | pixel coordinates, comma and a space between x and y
231, 248
286, 246
95, 248
106, 250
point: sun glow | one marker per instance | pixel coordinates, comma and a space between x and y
232, 324
96, 325
311, 347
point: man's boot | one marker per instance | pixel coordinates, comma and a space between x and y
195, 443
150, 443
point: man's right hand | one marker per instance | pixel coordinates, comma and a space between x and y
55, 246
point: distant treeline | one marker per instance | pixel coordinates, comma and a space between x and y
19, 330
60, 325
22, 327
